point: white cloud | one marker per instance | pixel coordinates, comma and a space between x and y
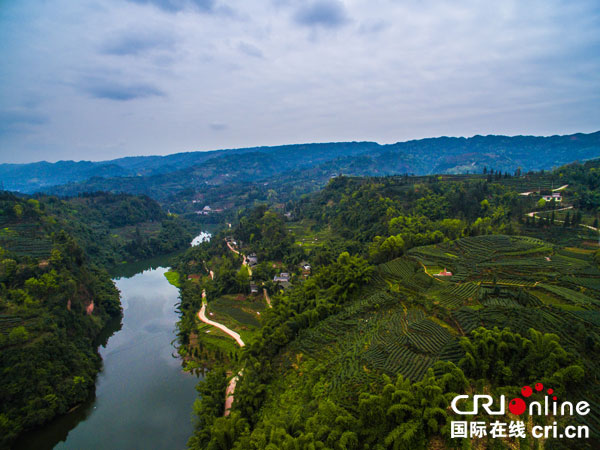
275, 72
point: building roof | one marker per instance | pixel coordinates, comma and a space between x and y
444, 273
282, 277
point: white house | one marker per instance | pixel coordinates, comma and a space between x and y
555, 196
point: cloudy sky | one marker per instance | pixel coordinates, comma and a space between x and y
96, 80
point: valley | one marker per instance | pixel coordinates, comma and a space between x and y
312, 309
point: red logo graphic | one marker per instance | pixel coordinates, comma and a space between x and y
517, 406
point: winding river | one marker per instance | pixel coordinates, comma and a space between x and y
143, 398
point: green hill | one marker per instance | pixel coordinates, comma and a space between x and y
420, 289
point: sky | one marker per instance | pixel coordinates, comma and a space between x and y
101, 79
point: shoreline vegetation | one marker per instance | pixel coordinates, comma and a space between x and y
56, 297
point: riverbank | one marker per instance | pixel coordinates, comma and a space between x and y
141, 387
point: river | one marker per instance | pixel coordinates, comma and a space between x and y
143, 399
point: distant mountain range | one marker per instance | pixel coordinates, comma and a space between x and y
159, 176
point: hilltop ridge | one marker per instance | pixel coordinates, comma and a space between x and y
424, 156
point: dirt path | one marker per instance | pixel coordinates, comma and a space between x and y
267, 298
533, 213
232, 383
589, 226
428, 274
229, 393
203, 318
244, 260
231, 248
210, 272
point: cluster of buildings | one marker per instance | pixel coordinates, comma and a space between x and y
444, 273
548, 196
207, 210
251, 260
283, 279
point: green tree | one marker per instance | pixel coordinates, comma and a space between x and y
18, 335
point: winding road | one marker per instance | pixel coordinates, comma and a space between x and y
534, 214
232, 383
203, 318
244, 260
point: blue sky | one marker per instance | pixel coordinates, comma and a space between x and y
96, 80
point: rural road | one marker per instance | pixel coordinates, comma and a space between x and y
232, 383
244, 260
533, 213
203, 318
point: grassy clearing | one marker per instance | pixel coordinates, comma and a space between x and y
212, 336
432, 270
475, 307
547, 298
306, 236
173, 278
441, 323
238, 312
582, 251
572, 307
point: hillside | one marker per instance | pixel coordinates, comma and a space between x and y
53, 304
56, 295
164, 176
418, 289
117, 228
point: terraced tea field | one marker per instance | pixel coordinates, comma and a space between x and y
406, 320
25, 239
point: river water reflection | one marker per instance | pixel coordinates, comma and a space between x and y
143, 399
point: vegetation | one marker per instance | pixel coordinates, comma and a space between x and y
53, 304
239, 176
372, 303
117, 228
367, 350
56, 296
173, 278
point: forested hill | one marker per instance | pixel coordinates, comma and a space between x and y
56, 295
117, 228
155, 175
389, 296
53, 304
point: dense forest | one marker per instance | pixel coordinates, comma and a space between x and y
403, 292
56, 295
117, 228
